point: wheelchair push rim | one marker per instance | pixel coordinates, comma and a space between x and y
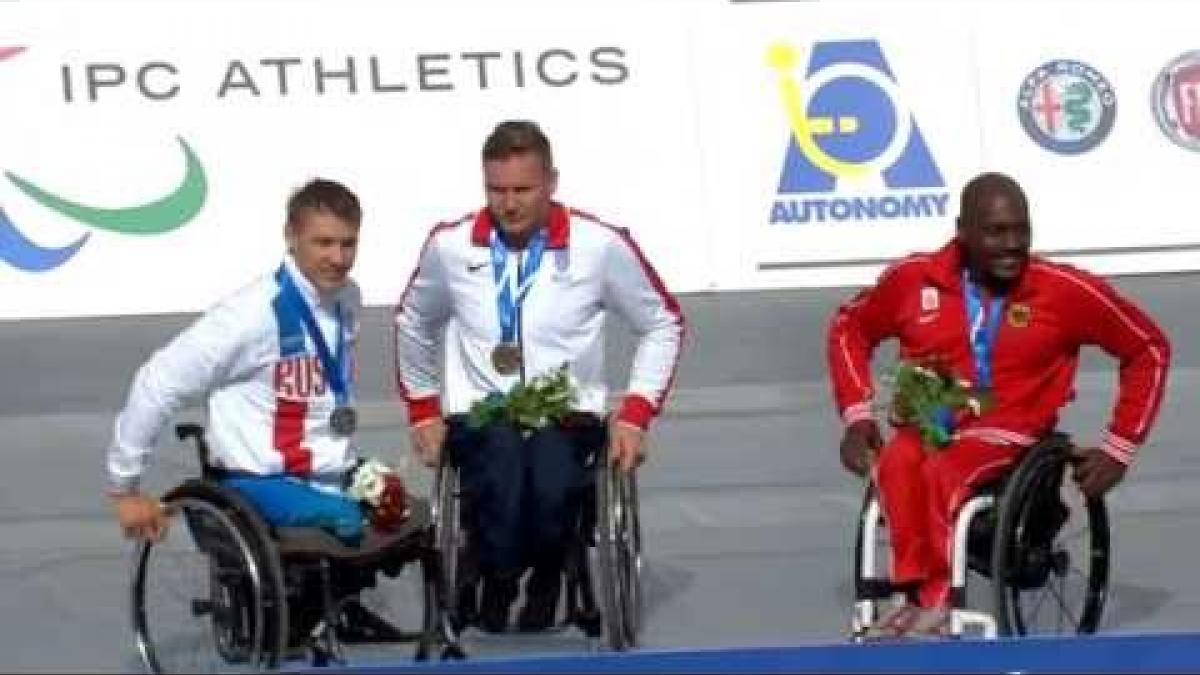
619, 552
1055, 555
230, 632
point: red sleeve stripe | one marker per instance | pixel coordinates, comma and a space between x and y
668, 300
440, 227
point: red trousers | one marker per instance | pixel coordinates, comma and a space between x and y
921, 492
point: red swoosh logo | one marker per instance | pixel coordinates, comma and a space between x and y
6, 52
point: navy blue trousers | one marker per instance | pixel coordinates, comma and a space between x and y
524, 492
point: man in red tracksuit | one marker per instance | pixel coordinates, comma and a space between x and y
1010, 323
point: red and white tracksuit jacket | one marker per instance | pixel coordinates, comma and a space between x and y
267, 398
588, 268
1053, 311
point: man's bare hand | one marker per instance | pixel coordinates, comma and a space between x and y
141, 516
626, 445
1095, 471
860, 445
428, 439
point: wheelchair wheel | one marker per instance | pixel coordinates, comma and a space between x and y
619, 554
1051, 557
202, 598
458, 585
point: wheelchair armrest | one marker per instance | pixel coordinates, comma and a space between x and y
196, 432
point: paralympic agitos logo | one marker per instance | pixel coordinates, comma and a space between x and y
155, 217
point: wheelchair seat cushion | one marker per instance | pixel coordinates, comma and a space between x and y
315, 542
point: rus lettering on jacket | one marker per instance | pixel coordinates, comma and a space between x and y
299, 377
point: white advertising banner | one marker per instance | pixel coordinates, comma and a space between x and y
1098, 127
837, 133
847, 129
147, 149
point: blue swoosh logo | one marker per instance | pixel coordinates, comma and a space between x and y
20, 252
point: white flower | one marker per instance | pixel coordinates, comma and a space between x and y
368, 482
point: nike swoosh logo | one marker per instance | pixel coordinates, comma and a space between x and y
163, 215
476, 266
20, 252
926, 318
7, 52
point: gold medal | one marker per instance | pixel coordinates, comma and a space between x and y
506, 358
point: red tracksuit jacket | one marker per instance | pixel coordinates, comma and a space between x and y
1054, 310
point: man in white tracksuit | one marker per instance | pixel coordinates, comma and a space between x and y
272, 361
527, 282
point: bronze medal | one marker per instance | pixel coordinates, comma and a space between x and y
506, 358
343, 420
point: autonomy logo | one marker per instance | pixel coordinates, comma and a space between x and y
155, 217
1066, 106
1176, 100
850, 129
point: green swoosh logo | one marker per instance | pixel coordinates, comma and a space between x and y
163, 215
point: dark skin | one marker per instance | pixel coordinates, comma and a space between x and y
995, 235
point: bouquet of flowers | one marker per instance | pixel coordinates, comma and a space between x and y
381, 490
545, 399
928, 395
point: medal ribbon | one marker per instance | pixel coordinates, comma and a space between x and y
507, 302
984, 325
334, 367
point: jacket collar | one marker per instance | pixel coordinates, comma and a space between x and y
946, 265
307, 290
558, 229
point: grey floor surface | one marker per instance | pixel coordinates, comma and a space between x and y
748, 517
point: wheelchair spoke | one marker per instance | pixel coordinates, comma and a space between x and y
1058, 590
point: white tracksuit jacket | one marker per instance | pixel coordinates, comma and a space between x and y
588, 268
268, 401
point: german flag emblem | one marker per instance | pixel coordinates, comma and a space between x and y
1019, 315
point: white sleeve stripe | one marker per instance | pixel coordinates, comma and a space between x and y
1156, 388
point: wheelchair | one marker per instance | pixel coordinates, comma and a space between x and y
1038, 542
224, 591
603, 566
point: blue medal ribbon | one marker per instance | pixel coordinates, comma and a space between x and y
334, 366
507, 302
984, 324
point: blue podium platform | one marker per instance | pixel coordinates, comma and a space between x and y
1162, 653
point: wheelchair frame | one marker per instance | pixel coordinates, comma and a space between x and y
1004, 506
607, 549
258, 634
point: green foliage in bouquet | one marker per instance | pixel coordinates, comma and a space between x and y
931, 397
544, 400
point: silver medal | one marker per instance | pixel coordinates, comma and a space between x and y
343, 420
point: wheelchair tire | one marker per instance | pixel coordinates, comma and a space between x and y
447, 534
1051, 550
237, 603
619, 554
